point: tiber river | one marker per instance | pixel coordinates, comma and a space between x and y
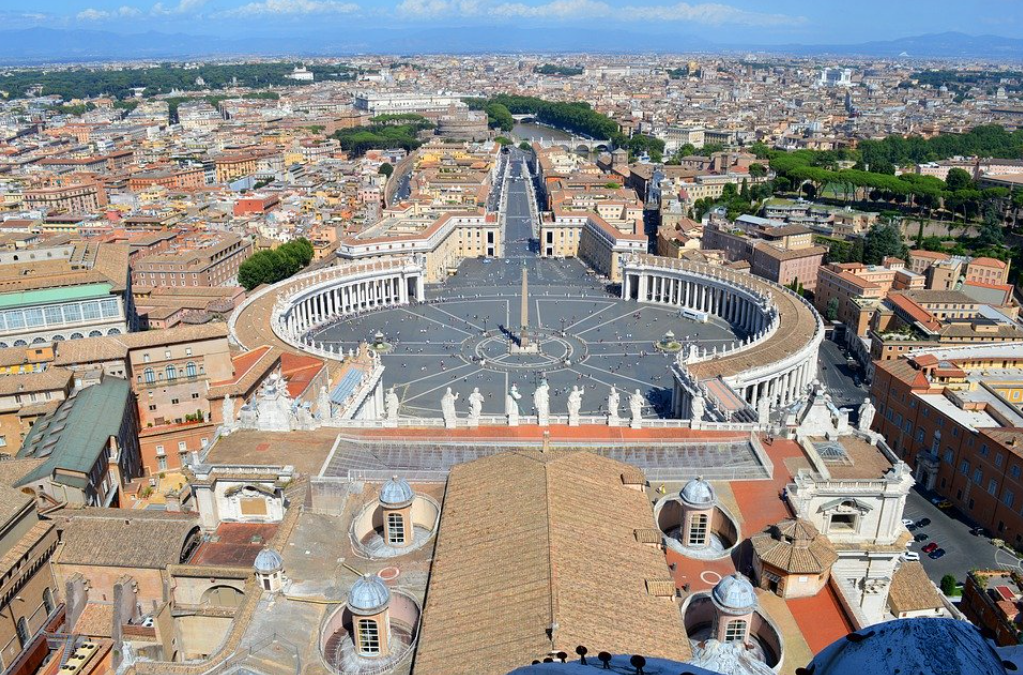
531, 131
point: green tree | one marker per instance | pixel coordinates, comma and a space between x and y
958, 179
882, 241
386, 169
503, 140
831, 312
948, 585
525, 146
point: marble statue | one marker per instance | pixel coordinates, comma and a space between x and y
698, 407
447, 408
613, 401
764, 410
575, 404
867, 411
636, 408
542, 403
227, 411
391, 405
323, 404
475, 406
511, 406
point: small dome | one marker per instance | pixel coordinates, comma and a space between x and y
268, 561
698, 493
396, 492
734, 594
369, 595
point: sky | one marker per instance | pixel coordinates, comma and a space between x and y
727, 21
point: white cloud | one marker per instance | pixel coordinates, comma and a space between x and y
122, 12
291, 7
713, 14
440, 8
183, 7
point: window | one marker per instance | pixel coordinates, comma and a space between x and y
735, 631
992, 486
948, 455
983, 449
920, 435
190, 369
23, 634
1014, 471
195, 394
1008, 498
698, 530
175, 401
172, 372
150, 377
978, 476
161, 463
395, 529
964, 468
999, 458
152, 408
182, 446
369, 637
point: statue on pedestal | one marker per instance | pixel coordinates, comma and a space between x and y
542, 403
575, 404
613, 401
636, 402
511, 406
475, 406
698, 407
867, 411
447, 408
391, 405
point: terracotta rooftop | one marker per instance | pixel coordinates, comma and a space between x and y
524, 545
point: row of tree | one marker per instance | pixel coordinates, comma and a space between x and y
552, 69
273, 265
162, 79
390, 133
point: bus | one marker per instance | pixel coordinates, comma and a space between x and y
699, 317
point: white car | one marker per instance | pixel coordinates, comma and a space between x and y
907, 521
911, 556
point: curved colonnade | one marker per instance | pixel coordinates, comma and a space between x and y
773, 365
295, 306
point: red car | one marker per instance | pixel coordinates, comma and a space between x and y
933, 546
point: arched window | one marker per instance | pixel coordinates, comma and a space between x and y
698, 530
23, 632
38, 341
20, 343
190, 369
735, 631
369, 637
114, 331
149, 375
48, 600
395, 529
77, 336
172, 372
95, 333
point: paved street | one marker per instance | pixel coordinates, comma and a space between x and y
836, 374
963, 551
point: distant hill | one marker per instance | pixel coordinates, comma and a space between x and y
41, 45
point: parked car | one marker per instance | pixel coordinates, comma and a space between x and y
937, 553
937, 500
911, 556
944, 504
923, 522
920, 536
978, 531
907, 521
930, 548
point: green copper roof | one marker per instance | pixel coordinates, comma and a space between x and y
73, 436
49, 295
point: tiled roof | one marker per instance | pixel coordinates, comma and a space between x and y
911, 590
121, 538
795, 546
531, 540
